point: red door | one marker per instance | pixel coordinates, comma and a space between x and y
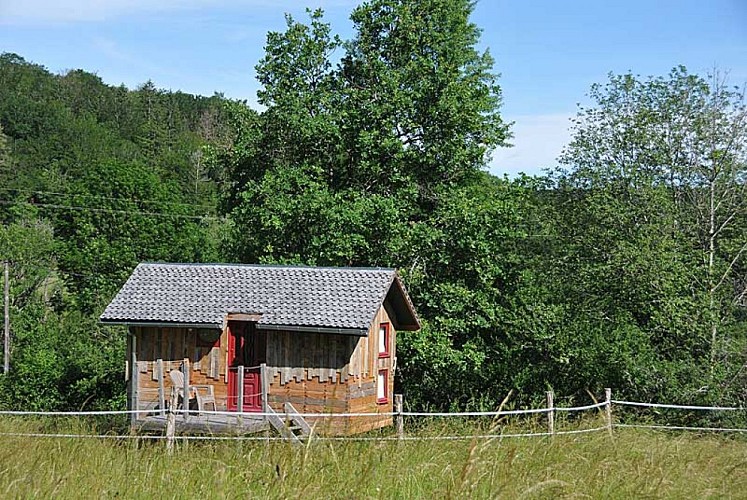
246, 348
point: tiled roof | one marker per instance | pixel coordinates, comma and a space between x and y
344, 298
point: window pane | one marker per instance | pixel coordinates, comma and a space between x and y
382, 339
381, 385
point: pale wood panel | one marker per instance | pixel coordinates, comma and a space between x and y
296, 361
170, 353
219, 358
286, 361
373, 345
365, 361
169, 344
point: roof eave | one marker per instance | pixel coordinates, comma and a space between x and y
356, 332
162, 324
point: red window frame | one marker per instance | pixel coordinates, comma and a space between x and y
387, 339
385, 399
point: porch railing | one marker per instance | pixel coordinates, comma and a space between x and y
185, 368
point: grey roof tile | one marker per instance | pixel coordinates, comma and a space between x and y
346, 298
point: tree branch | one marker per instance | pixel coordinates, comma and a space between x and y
730, 267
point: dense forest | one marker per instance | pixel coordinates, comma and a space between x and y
624, 267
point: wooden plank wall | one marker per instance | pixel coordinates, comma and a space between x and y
173, 345
298, 356
312, 396
309, 396
363, 394
365, 361
303, 356
314, 372
324, 373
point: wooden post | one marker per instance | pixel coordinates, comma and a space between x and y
240, 388
128, 348
134, 378
264, 384
161, 388
171, 421
400, 420
185, 371
550, 412
6, 338
128, 378
608, 408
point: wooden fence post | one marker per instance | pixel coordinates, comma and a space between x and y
240, 388
171, 421
400, 419
185, 371
608, 408
161, 388
264, 385
550, 412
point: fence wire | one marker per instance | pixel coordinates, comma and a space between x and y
146, 437
681, 428
678, 407
488, 436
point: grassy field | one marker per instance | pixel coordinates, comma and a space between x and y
632, 463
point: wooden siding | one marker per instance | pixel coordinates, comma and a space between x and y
325, 373
173, 346
298, 356
315, 372
309, 396
310, 371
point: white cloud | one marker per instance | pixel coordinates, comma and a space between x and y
65, 11
538, 140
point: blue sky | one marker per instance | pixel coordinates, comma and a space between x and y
547, 52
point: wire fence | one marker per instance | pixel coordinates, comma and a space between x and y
678, 407
550, 411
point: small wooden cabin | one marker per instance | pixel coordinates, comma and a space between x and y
258, 339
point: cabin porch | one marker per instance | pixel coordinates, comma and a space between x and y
241, 410
241, 423
156, 386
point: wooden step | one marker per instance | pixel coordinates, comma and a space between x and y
279, 425
296, 419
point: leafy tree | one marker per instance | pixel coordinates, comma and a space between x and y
654, 204
4, 153
27, 244
465, 276
93, 181
377, 128
424, 103
376, 160
122, 214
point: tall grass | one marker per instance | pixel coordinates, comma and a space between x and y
631, 463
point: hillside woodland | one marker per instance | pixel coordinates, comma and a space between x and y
625, 266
